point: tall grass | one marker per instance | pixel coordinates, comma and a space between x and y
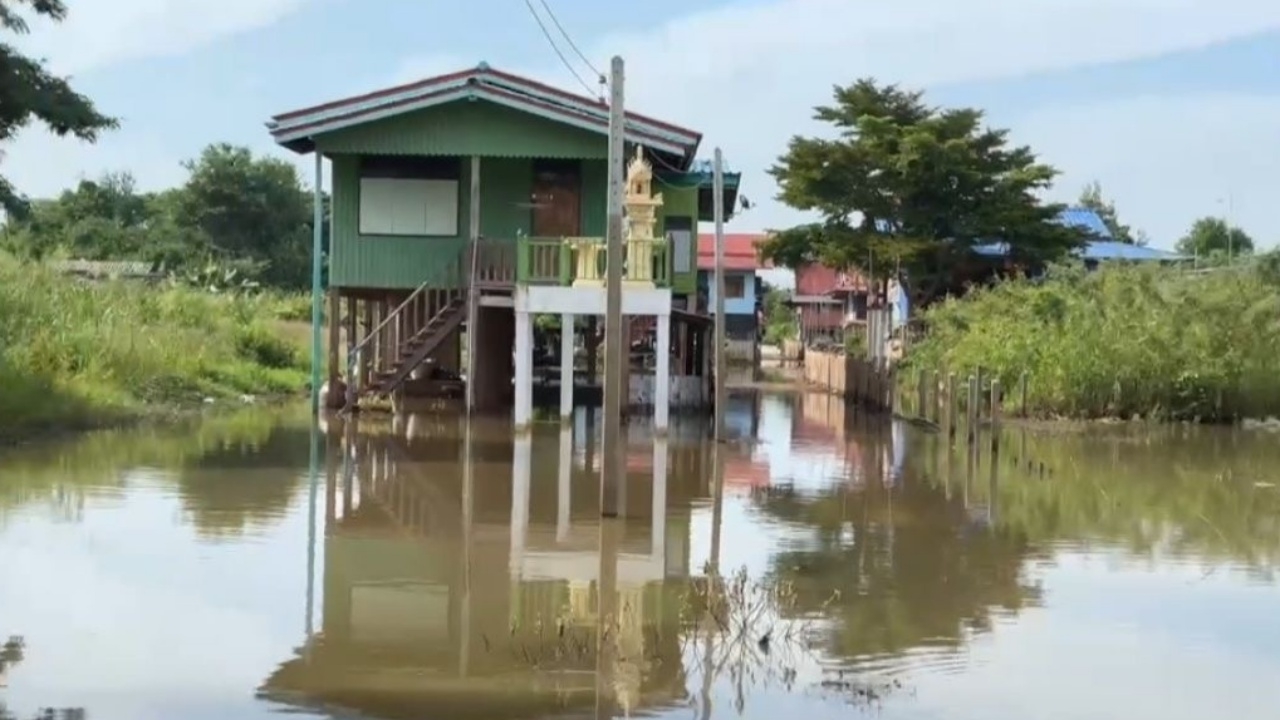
76, 355
1121, 342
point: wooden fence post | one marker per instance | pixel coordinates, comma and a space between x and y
1022, 392
971, 410
952, 407
995, 418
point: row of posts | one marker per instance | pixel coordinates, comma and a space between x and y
937, 402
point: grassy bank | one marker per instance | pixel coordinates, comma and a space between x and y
75, 355
1122, 342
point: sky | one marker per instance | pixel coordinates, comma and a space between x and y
1172, 105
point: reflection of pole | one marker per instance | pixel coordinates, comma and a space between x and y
614, 393
312, 507
606, 615
468, 493
713, 576
717, 505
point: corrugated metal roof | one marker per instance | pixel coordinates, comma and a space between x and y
1115, 250
739, 251
1086, 219
104, 268
1104, 248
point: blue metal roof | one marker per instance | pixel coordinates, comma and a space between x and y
1086, 219
1105, 248
1113, 250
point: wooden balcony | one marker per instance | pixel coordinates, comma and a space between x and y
565, 262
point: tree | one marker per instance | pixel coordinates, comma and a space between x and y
250, 208
1091, 197
1212, 237
907, 185
28, 91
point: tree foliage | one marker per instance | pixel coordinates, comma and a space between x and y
1211, 237
236, 212
1092, 198
904, 184
29, 92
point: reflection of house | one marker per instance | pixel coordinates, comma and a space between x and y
449, 592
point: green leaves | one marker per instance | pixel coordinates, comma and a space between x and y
28, 92
235, 211
1212, 237
906, 184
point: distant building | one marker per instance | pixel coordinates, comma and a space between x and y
109, 269
828, 300
744, 289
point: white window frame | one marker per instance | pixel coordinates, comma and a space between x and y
404, 207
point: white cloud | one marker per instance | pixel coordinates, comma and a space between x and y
98, 33
1168, 160
749, 76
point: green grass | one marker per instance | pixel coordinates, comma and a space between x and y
76, 355
1122, 342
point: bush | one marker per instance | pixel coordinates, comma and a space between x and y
77, 354
1124, 341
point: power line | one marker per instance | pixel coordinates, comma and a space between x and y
547, 34
572, 45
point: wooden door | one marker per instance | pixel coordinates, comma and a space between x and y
557, 199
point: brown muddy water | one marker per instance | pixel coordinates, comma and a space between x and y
428, 570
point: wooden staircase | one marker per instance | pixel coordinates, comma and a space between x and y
415, 350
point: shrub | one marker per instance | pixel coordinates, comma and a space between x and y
1123, 341
74, 353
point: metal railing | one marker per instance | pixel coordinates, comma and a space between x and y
451, 275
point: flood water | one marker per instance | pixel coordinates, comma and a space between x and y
232, 569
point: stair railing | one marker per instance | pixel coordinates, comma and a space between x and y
356, 353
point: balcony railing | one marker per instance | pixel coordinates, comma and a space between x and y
568, 262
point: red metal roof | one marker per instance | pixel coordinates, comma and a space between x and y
814, 279
739, 251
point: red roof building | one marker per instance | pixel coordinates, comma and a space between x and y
739, 252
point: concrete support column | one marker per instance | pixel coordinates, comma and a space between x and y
658, 528
566, 365
524, 369
662, 377
521, 471
564, 486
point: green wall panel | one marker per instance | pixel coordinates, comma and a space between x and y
467, 128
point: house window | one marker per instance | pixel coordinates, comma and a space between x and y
416, 196
679, 231
735, 287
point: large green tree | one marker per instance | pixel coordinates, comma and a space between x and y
29, 92
235, 211
902, 184
251, 208
1211, 237
1092, 198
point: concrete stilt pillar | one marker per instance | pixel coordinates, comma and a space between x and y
658, 528
564, 487
566, 365
521, 471
524, 370
662, 377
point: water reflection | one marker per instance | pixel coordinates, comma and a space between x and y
819, 558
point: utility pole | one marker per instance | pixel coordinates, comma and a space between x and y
614, 393
717, 192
